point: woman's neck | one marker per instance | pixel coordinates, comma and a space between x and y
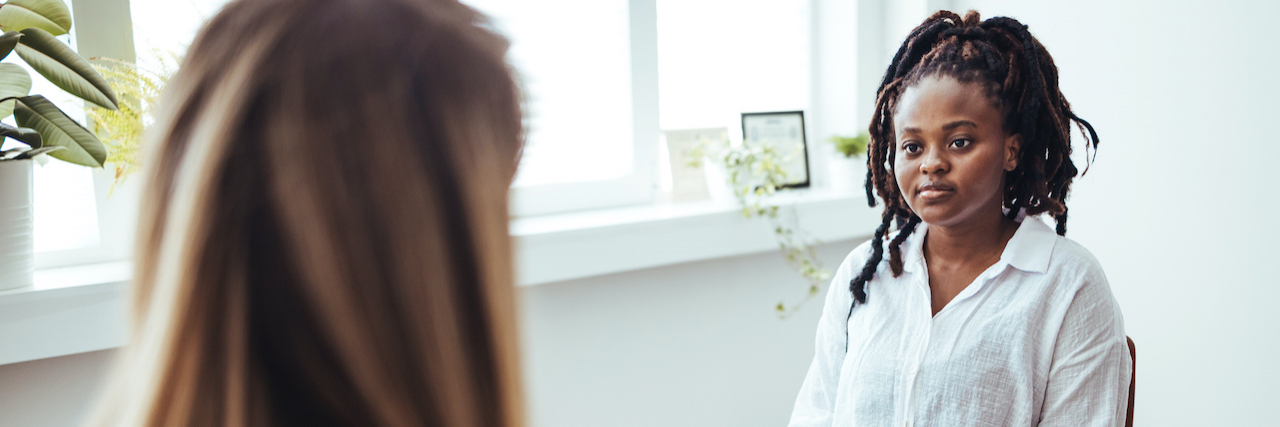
976, 241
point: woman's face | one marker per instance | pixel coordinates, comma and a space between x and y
951, 151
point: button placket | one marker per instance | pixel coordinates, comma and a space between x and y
922, 345
915, 356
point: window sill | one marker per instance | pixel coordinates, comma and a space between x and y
80, 309
69, 310
570, 246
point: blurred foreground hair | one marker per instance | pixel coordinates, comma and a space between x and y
323, 238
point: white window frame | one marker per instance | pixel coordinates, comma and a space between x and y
639, 187
103, 28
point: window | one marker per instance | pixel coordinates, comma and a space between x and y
601, 77
166, 27
573, 58
720, 58
589, 72
588, 69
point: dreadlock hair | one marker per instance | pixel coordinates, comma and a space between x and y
1019, 76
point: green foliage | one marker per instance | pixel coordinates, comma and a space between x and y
755, 174
8, 41
25, 135
121, 129
58, 130
64, 67
14, 83
851, 146
52, 16
26, 153
30, 28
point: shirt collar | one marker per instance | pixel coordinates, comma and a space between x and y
1029, 250
1031, 246
913, 247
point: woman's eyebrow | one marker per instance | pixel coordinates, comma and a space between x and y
945, 128
958, 123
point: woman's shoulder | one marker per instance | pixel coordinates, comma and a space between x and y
1069, 256
1080, 277
1084, 284
1064, 266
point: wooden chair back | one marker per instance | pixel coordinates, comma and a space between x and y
1133, 377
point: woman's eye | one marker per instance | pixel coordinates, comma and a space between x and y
911, 148
961, 143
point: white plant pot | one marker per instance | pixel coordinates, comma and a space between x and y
847, 174
17, 244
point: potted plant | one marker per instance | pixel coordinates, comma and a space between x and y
30, 28
845, 171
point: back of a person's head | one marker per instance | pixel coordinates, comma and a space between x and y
323, 239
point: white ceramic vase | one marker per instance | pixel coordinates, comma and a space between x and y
17, 246
847, 174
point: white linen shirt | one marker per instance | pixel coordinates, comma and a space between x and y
1036, 340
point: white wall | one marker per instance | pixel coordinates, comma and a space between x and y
687, 345
55, 392
1179, 206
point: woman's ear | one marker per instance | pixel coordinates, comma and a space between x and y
1012, 147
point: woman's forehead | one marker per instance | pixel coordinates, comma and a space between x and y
934, 101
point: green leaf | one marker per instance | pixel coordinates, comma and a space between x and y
8, 41
49, 15
14, 82
66, 69
37, 151
83, 148
24, 135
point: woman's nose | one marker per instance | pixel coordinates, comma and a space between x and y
934, 161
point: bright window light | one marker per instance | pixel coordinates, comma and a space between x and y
166, 28
65, 207
573, 58
720, 58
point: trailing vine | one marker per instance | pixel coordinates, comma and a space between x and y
755, 174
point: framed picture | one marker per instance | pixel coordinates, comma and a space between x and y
784, 130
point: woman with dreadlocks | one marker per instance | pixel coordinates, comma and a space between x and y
982, 315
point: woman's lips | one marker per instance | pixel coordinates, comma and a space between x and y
933, 191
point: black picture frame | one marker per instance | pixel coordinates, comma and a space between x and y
750, 137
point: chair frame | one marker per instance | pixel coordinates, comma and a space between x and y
1133, 378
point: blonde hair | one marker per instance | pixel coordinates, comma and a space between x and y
323, 239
